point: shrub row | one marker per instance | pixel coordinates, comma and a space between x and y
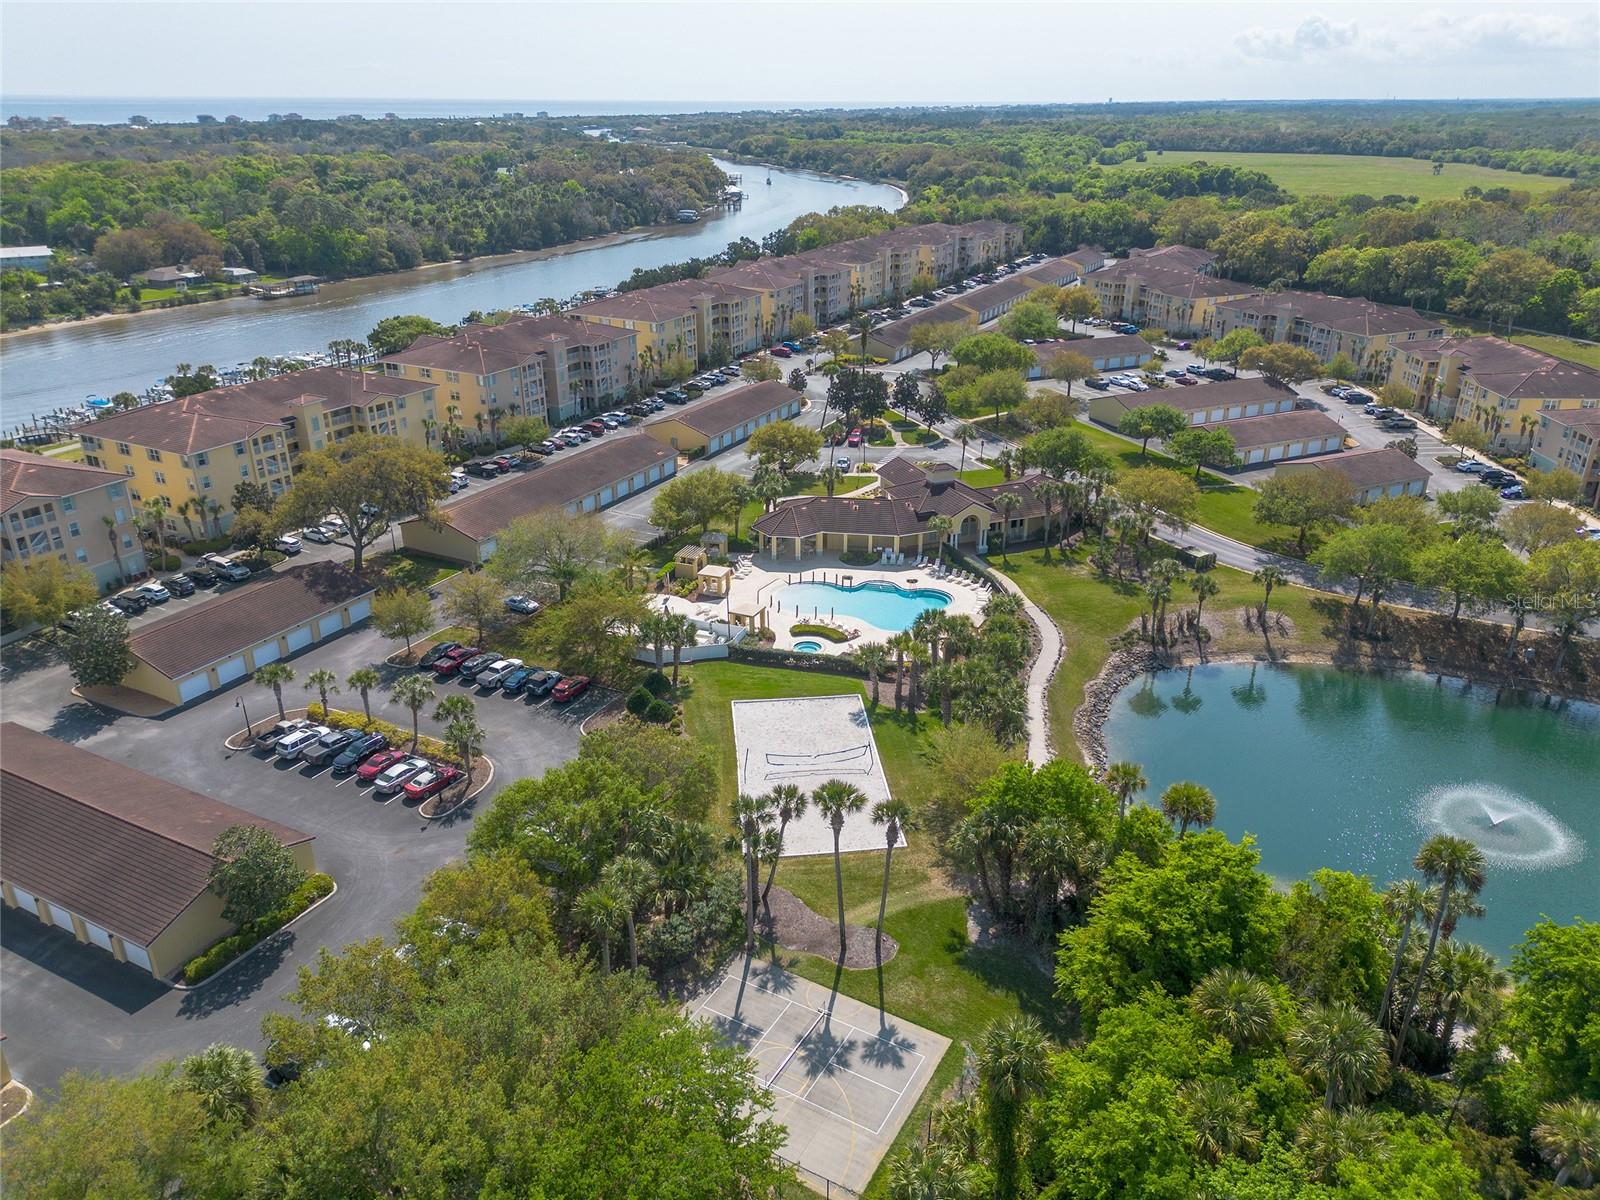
806, 629
833, 664
209, 962
647, 708
339, 719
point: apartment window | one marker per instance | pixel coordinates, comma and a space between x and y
161, 478
238, 449
127, 541
152, 454
425, 372
201, 460
119, 514
452, 377
73, 530
244, 471
401, 403
124, 449
81, 554
68, 504
316, 423
127, 470
205, 483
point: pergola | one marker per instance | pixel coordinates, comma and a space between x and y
715, 580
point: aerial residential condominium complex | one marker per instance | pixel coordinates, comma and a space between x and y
80, 514
1159, 289
192, 452
1501, 387
1364, 330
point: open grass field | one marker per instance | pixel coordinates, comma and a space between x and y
410, 569
1587, 353
1349, 174
939, 979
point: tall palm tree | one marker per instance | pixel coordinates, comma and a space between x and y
788, 803
322, 681
214, 511
415, 692
873, 657
1326, 1138
929, 628
680, 633
930, 1171
1454, 863
111, 536
227, 1080
895, 817
1403, 900
965, 433
455, 707
750, 817
836, 800
1220, 1118
274, 676
1158, 591
1269, 578
363, 680
1008, 503
1236, 1005
1568, 1135
1049, 492
635, 881
1187, 803
901, 644
1126, 780
155, 520
1013, 1065
1341, 1048
602, 911
941, 527
1204, 587
1470, 985
655, 631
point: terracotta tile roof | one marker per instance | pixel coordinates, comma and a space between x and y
1094, 348
123, 849
1370, 468
553, 486
1572, 417
730, 409
1272, 428
1187, 257
248, 615
485, 349
1172, 280
808, 515
25, 476
895, 334
1519, 372
1207, 395
1348, 314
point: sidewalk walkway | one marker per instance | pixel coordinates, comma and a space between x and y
1040, 672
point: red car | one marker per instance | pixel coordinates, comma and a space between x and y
781, 352
378, 764
1185, 381
854, 439
431, 782
570, 688
450, 663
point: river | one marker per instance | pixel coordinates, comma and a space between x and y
57, 366
1330, 768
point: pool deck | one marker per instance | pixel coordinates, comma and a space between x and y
762, 577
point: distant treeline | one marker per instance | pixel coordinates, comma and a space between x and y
334, 198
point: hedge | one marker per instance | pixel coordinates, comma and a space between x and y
209, 962
832, 664
656, 683
806, 629
339, 719
638, 702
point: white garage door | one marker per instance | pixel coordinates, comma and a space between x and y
97, 936
61, 917
137, 955
360, 611
193, 688
299, 639
26, 900
267, 652
330, 624
605, 496
233, 669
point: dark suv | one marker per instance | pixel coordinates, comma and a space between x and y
358, 751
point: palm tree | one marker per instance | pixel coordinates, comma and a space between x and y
322, 681
1470, 986
155, 520
655, 631
636, 563
1158, 591
930, 1171
964, 434
1186, 803
363, 680
835, 800
602, 911
941, 527
1050, 493
415, 692
895, 816
635, 882
788, 803
943, 681
455, 707
873, 658
1568, 1135
1013, 1064
186, 509
1326, 1138
1220, 1118
750, 816
1236, 1005
1455, 863
680, 633
274, 676
111, 536
1126, 780
1341, 1048
227, 1080
929, 628
1268, 578
901, 644
1007, 503
1204, 587
1403, 901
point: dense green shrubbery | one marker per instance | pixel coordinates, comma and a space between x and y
659, 712
339, 719
701, 930
638, 702
209, 962
656, 683
825, 632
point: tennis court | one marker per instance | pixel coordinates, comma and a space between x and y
843, 1075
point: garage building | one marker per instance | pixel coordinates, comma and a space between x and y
1120, 351
1270, 439
186, 657
714, 425
117, 858
1203, 404
1373, 474
596, 478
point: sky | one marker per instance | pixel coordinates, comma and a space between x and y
771, 53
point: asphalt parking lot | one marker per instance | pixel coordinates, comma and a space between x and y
71, 1006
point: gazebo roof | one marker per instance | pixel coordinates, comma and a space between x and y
717, 571
745, 608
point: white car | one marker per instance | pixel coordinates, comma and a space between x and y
315, 533
1137, 385
288, 543
496, 671
154, 593
397, 776
289, 747
335, 522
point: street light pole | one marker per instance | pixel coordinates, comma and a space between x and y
239, 704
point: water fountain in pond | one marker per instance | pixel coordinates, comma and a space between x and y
1511, 830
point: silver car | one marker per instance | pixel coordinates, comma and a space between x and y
491, 676
397, 776
289, 748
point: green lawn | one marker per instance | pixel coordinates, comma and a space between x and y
409, 569
983, 476
1349, 174
938, 979
1587, 353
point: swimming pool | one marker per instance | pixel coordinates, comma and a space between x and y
809, 647
880, 604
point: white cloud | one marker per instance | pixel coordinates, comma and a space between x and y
1508, 30
1314, 35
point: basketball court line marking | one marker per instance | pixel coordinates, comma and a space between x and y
804, 1097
